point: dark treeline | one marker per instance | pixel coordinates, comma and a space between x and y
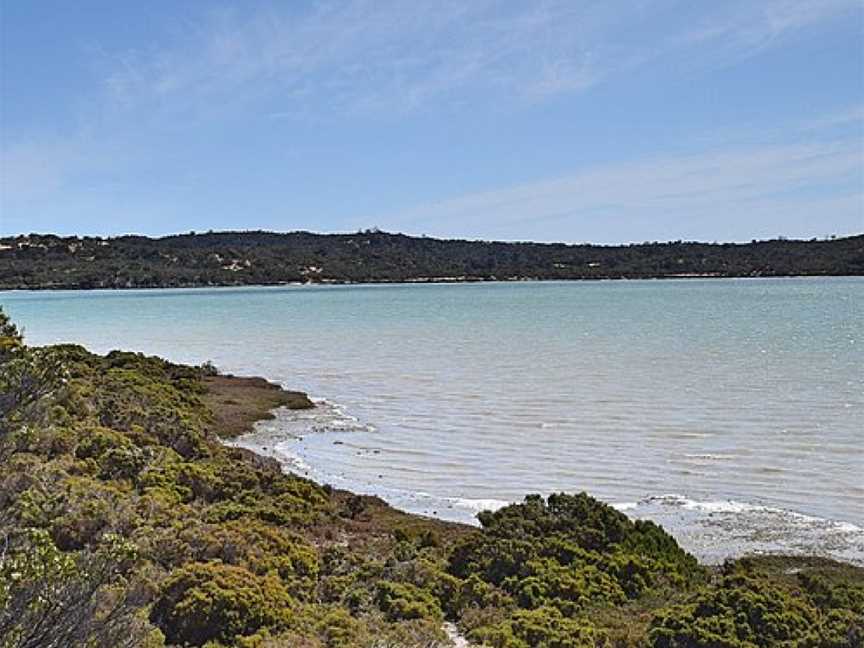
244, 258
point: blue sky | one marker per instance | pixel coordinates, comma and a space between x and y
574, 121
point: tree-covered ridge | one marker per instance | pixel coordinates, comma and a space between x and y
245, 258
125, 522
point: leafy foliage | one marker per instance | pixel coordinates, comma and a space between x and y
53, 598
748, 607
27, 378
543, 627
201, 602
561, 557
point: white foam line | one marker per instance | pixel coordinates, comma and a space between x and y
732, 506
277, 438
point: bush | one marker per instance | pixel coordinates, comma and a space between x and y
404, 601
745, 609
541, 628
204, 602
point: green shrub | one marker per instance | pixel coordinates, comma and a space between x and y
544, 627
404, 601
202, 602
570, 553
746, 610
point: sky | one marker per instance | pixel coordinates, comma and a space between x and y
576, 121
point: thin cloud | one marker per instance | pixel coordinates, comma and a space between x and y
760, 181
852, 116
387, 55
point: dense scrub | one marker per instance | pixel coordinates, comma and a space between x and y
244, 258
125, 522
561, 559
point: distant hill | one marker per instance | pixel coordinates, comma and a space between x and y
245, 258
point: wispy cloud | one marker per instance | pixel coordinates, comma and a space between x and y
664, 197
385, 54
359, 55
388, 57
750, 27
851, 116
40, 166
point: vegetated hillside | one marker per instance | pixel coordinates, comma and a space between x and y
124, 522
244, 258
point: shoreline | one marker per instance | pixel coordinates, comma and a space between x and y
240, 402
136, 451
433, 281
688, 511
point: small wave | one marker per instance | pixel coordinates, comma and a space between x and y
733, 506
478, 504
714, 530
327, 416
717, 506
548, 425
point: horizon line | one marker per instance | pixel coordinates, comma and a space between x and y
377, 231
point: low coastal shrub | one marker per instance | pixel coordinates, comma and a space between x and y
404, 601
749, 606
201, 602
567, 553
543, 627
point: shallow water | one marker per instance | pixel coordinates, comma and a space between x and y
731, 411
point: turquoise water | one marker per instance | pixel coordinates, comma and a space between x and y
730, 410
